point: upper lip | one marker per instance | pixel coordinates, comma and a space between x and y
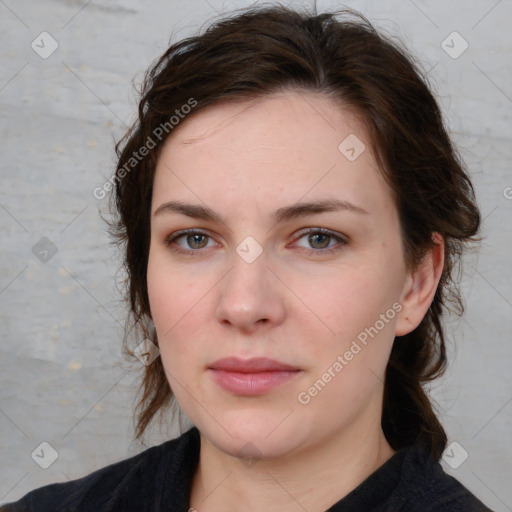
254, 365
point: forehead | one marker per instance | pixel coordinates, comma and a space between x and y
287, 145
282, 117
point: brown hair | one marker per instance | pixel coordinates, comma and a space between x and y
263, 50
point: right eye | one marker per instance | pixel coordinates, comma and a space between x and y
194, 241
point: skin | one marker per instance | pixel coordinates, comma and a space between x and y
298, 302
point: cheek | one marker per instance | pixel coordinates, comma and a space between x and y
172, 293
180, 308
350, 365
358, 308
351, 299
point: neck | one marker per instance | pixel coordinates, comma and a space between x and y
312, 478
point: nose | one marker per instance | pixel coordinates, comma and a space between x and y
250, 296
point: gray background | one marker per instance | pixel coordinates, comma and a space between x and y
64, 380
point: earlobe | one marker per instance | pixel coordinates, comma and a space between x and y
420, 288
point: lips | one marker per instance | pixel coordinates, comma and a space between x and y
251, 377
254, 365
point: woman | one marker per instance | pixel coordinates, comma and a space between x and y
292, 209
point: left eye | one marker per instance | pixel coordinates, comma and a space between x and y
319, 239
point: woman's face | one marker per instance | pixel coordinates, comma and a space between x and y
255, 278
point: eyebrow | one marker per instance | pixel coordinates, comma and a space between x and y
285, 213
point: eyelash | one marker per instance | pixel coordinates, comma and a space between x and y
170, 241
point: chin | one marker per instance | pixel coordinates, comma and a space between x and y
252, 435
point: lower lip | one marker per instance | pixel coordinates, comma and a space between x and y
251, 384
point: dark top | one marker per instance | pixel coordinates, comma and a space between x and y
159, 480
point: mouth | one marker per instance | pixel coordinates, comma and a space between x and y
251, 377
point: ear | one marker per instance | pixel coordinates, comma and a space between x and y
420, 288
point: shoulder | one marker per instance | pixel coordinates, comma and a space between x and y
108, 488
430, 489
